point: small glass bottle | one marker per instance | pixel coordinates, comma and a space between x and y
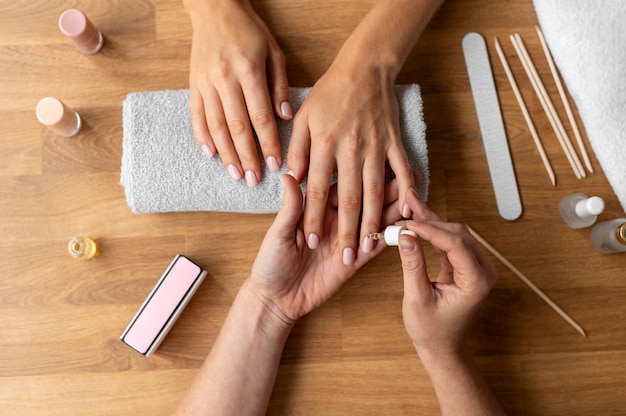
580, 211
609, 236
80, 31
83, 248
54, 114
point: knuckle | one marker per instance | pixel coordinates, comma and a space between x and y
236, 127
261, 118
223, 69
215, 123
247, 67
324, 143
315, 193
374, 189
352, 145
350, 203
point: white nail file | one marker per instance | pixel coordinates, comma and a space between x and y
492, 127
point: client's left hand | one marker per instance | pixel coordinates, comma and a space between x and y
293, 280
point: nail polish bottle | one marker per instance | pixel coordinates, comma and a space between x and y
609, 236
84, 248
80, 31
52, 113
580, 211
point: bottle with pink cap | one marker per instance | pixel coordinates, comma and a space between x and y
80, 31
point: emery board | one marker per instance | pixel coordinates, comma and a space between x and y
492, 127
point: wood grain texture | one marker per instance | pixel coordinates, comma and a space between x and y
61, 319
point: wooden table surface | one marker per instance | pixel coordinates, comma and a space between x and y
60, 319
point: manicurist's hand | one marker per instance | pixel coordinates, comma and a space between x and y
437, 313
237, 84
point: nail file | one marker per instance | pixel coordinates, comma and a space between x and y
492, 127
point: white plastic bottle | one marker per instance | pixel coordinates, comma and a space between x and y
580, 211
609, 236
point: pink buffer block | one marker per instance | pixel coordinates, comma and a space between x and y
163, 306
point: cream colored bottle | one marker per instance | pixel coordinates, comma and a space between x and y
609, 236
580, 211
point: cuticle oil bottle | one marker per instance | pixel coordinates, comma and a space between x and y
609, 236
83, 248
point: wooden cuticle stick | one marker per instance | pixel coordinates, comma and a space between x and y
528, 283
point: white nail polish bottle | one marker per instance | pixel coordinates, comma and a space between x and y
580, 211
609, 236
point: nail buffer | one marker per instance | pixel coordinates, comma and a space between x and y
492, 127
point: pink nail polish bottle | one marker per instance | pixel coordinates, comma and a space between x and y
79, 29
55, 115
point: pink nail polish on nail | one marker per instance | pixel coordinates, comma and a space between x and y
285, 109
348, 256
272, 164
368, 245
251, 179
234, 172
406, 211
313, 241
207, 151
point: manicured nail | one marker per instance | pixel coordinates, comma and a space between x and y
348, 256
406, 211
251, 179
207, 151
272, 164
292, 174
285, 109
368, 245
313, 241
234, 172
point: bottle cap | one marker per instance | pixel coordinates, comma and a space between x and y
393, 232
52, 113
621, 233
590, 206
79, 29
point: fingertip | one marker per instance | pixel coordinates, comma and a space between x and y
286, 112
406, 210
292, 198
207, 150
313, 241
407, 243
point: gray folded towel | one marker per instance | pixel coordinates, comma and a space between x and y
164, 170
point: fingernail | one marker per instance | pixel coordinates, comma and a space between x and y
272, 164
406, 211
368, 245
406, 245
234, 172
292, 174
207, 151
313, 241
251, 179
285, 109
348, 256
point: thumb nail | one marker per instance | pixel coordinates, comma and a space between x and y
406, 245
